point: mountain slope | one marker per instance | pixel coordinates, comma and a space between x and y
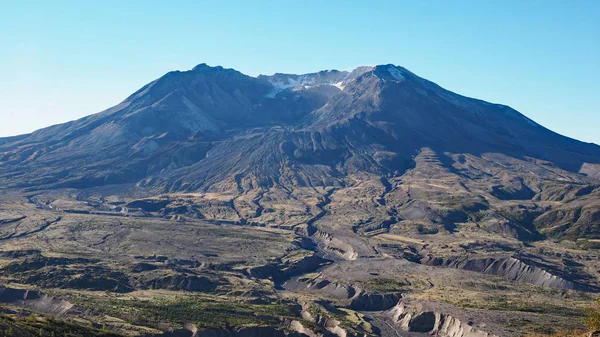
373, 119
169, 122
377, 124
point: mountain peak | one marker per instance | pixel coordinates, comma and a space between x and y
390, 72
205, 67
393, 70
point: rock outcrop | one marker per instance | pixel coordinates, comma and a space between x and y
375, 301
335, 246
323, 287
418, 319
35, 300
280, 271
510, 268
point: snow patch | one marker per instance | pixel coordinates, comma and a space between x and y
285, 83
306, 81
290, 82
396, 73
340, 85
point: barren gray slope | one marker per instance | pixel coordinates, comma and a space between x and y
197, 129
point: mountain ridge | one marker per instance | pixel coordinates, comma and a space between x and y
174, 121
5, 139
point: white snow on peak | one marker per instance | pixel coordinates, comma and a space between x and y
396, 73
285, 83
303, 82
288, 82
340, 85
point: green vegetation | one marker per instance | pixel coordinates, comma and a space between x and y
349, 320
206, 313
34, 326
502, 304
593, 316
588, 244
296, 255
385, 284
591, 321
394, 285
426, 230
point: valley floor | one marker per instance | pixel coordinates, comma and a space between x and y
367, 260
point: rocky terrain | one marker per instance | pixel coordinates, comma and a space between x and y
362, 203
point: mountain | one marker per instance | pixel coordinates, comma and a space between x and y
360, 203
216, 130
196, 129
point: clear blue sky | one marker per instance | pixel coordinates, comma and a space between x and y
60, 60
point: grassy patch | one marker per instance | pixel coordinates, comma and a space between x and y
502, 304
206, 313
30, 326
386, 284
394, 285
